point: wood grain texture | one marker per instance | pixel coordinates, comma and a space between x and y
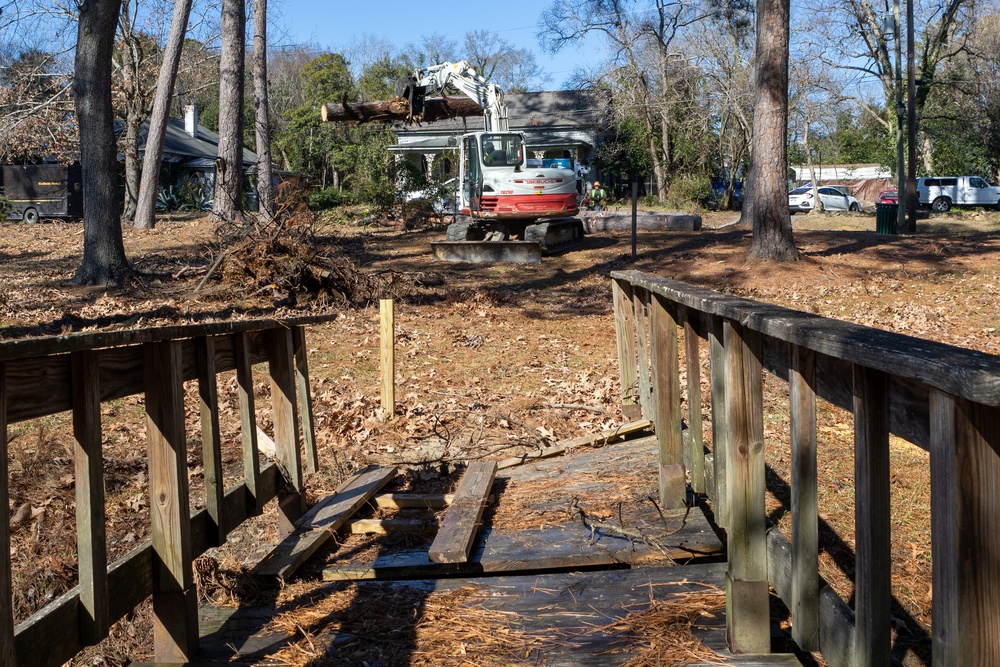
281, 367
211, 441
667, 404
169, 505
692, 359
621, 293
958, 371
605, 437
873, 562
248, 419
8, 656
804, 600
91, 535
387, 355
747, 601
305, 398
720, 428
946, 631
463, 517
640, 303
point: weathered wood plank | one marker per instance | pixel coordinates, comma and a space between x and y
640, 303
387, 355
390, 526
667, 404
958, 371
873, 569
91, 536
621, 293
720, 428
305, 398
248, 419
747, 602
433, 501
8, 656
176, 639
211, 440
463, 517
292, 503
608, 436
320, 523
804, 601
947, 640
696, 438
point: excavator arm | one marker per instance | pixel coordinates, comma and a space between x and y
434, 80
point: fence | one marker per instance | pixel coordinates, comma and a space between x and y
941, 398
46, 376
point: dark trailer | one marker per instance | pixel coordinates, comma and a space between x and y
37, 191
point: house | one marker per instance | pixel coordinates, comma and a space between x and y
556, 124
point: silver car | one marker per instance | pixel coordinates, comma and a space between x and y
833, 198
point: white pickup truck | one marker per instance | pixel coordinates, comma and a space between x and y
940, 193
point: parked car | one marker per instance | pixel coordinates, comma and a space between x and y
888, 197
833, 198
940, 193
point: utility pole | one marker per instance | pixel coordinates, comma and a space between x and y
911, 126
900, 112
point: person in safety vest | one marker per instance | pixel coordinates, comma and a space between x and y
596, 197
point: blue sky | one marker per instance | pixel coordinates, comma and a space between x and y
333, 24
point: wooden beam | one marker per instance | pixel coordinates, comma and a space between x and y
211, 441
872, 528
667, 404
291, 503
462, 519
175, 601
398, 109
305, 398
747, 593
692, 356
390, 526
622, 432
387, 355
320, 523
720, 428
8, 656
248, 420
91, 536
432, 501
621, 293
640, 302
804, 602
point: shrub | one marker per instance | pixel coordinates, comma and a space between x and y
689, 191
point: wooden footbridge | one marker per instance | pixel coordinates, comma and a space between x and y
567, 542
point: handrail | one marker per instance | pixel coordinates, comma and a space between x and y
940, 397
77, 372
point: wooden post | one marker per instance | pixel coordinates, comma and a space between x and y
175, 599
747, 591
965, 469
667, 404
720, 429
8, 657
640, 301
291, 502
305, 398
804, 604
621, 294
92, 550
692, 356
387, 346
211, 441
248, 422
873, 560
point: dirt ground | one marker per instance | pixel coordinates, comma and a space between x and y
491, 360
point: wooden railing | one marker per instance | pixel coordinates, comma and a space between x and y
46, 376
939, 397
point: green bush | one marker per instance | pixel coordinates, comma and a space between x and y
688, 191
329, 198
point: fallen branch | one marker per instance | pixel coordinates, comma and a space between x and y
633, 536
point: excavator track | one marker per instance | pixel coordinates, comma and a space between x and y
469, 241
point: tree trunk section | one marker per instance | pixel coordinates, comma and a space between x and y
766, 203
149, 185
132, 122
265, 186
229, 165
104, 261
435, 108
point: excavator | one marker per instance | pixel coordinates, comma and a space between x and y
512, 209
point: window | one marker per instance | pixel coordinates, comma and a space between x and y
504, 150
977, 182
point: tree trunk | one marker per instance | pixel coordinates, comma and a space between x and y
229, 164
818, 203
435, 108
145, 214
265, 187
131, 149
766, 203
659, 176
104, 261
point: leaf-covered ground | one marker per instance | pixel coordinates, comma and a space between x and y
491, 360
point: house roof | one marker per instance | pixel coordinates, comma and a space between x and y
200, 151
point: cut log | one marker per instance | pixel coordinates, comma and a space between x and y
435, 108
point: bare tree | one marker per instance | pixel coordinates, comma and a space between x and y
229, 164
36, 107
265, 188
765, 205
513, 69
145, 216
104, 261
